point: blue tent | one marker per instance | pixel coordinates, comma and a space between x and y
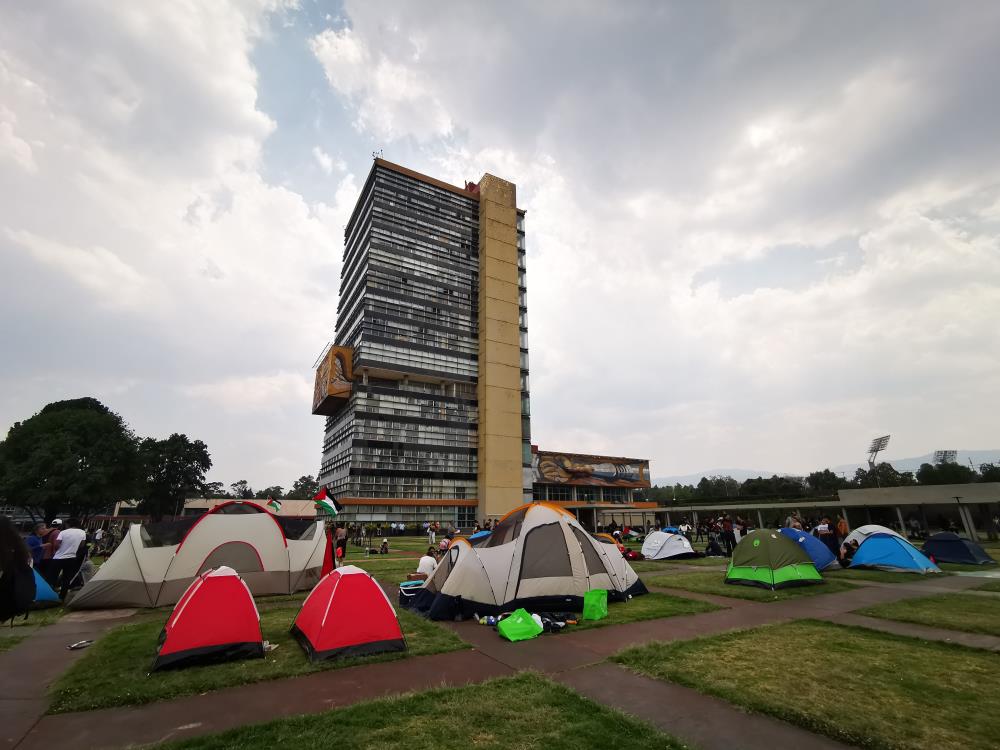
670, 529
479, 536
890, 552
821, 555
44, 595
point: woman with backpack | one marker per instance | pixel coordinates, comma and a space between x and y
17, 579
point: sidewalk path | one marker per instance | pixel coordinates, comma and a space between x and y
575, 658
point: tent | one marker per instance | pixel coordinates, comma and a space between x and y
538, 557
818, 552
863, 532
892, 552
770, 559
215, 620
156, 562
44, 594
347, 614
659, 545
951, 548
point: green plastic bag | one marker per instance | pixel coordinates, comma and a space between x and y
520, 626
595, 604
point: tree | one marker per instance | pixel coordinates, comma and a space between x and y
304, 488
825, 483
884, 475
274, 491
215, 489
173, 469
76, 456
946, 473
242, 490
989, 473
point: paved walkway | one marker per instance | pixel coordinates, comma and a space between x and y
577, 659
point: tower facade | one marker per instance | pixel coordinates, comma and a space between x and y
425, 387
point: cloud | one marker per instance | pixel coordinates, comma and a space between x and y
254, 393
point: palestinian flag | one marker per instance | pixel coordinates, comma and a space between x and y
273, 504
327, 502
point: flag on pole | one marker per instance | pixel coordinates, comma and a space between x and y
326, 501
275, 505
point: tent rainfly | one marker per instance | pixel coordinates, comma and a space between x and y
661, 545
863, 532
215, 620
347, 614
771, 560
538, 557
818, 552
946, 547
156, 562
893, 553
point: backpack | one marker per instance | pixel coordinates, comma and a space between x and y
17, 593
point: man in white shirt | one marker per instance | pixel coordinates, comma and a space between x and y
66, 560
427, 563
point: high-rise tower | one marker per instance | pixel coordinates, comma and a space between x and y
425, 387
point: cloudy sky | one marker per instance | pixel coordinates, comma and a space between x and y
758, 234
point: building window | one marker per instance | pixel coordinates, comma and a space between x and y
560, 492
586, 494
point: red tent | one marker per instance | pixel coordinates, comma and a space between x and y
347, 614
215, 620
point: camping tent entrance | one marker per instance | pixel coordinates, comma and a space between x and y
799, 574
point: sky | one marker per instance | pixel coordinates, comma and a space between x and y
759, 234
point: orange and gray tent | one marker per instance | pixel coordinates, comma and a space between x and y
156, 562
347, 614
538, 557
215, 620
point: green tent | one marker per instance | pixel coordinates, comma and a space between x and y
771, 560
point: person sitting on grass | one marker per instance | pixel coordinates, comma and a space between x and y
847, 553
384, 549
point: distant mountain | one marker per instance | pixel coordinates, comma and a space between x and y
912, 464
738, 474
900, 464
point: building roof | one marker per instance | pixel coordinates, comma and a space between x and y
465, 193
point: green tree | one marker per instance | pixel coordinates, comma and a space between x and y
74, 456
825, 483
275, 491
242, 490
884, 475
173, 469
946, 473
304, 488
989, 473
215, 489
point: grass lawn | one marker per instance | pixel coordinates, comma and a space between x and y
115, 670
962, 567
647, 607
973, 614
9, 641
860, 686
881, 576
39, 617
526, 711
990, 585
712, 583
659, 566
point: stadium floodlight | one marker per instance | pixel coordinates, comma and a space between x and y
945, 457
878, 445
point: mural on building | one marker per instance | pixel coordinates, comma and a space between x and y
572, 468
333, 380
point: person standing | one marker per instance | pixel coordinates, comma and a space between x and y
340, 535
36, 546
65, 560
728, 535
17, 582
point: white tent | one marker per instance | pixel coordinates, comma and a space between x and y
863, 532
538, 557
662, 545
155, 563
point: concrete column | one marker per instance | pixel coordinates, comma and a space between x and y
970, 527
843, 510
668, 519
760, 519
902, 526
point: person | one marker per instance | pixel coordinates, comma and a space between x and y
340, 536
384, 549
48, 536
685, 528
847, 553
431, 534
66, 562
17, 582
842, 528
35, 544
728, 535
427, 563
443, 544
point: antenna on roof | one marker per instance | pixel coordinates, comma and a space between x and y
377, 154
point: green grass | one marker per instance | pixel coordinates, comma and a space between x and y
114, 671
968, 612
859, 686
650, 606
39, 617
9, 641
712, 583
991, 585
521, 712
963, 567
658, 566
880, 576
